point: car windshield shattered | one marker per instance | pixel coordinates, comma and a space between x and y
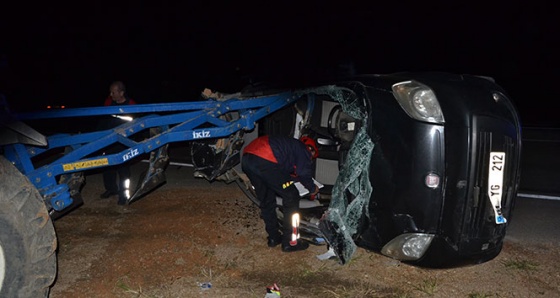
352, 190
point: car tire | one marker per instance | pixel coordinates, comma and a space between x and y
248, 191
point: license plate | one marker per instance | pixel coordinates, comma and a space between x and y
496, 168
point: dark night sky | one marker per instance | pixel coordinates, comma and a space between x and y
68, 54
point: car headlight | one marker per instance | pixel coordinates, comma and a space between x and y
408, 247
418, 101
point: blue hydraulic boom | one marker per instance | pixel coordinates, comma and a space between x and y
59, 181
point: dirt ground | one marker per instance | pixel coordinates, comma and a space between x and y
190, 234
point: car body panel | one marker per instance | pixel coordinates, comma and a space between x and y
457, 214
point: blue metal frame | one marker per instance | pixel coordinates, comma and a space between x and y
187, 121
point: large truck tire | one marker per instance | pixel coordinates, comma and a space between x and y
27, 237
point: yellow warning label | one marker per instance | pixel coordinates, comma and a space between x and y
85, 164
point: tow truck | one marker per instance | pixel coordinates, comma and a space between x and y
420, 167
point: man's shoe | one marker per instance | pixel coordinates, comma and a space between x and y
273, 242
107, 194
301, 245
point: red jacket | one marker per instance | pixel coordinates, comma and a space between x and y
110, 102
111, 122
290, 154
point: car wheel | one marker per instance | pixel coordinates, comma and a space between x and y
248, 190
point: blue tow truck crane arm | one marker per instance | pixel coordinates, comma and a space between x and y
184, 121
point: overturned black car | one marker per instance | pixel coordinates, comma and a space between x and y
421, 167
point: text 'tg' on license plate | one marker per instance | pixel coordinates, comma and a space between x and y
496, 168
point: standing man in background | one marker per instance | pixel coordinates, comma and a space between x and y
116, 180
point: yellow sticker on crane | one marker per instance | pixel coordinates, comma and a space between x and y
85, 164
